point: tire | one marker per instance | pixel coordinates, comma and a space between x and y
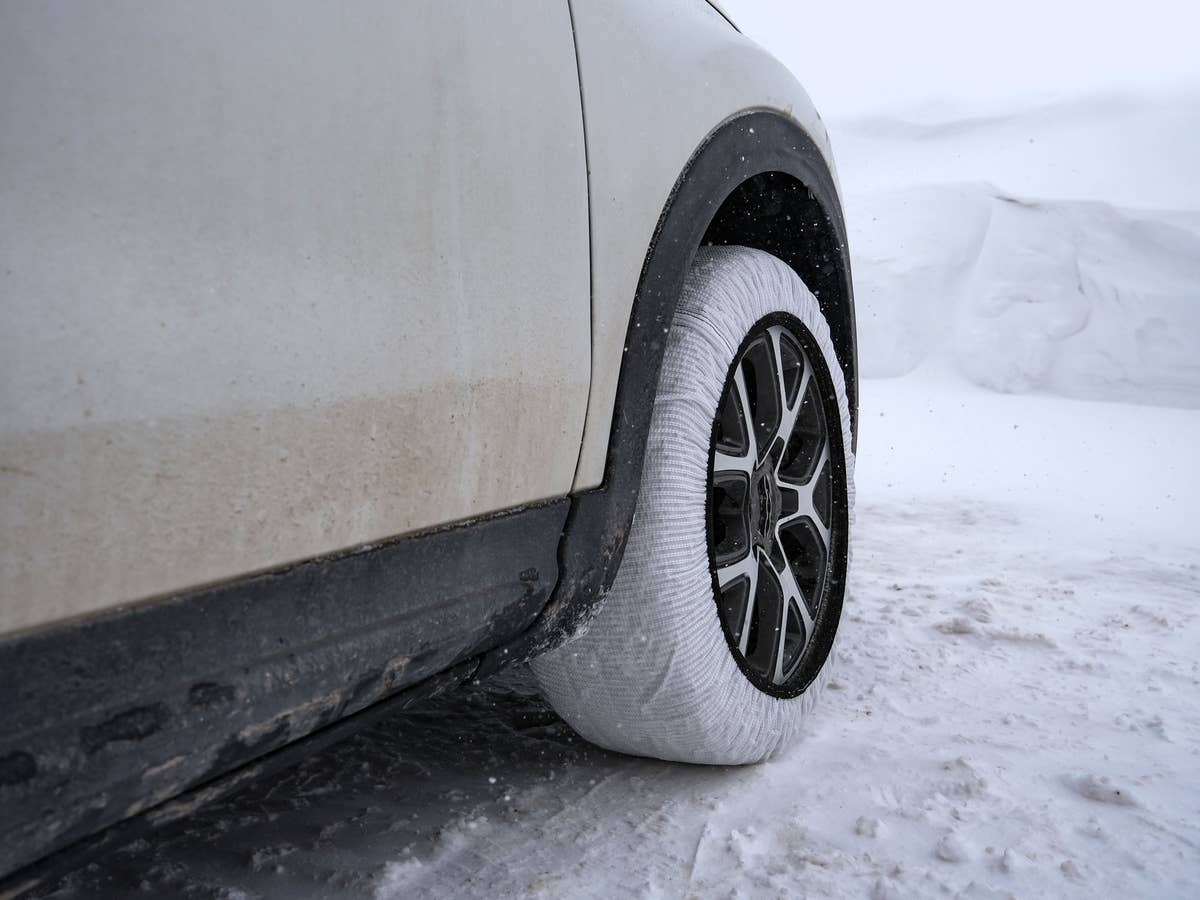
679, 664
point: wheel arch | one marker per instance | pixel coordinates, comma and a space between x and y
757, 179
777, 212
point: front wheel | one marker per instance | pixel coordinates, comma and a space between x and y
716, 637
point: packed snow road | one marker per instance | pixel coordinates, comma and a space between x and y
1014, 711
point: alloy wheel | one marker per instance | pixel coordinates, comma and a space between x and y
771, 505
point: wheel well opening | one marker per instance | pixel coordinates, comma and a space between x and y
776, 213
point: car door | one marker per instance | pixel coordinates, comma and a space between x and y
280, 278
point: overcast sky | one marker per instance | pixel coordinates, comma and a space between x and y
909, 56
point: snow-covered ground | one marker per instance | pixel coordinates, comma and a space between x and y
1016, 709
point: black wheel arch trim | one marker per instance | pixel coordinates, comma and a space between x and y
752, 143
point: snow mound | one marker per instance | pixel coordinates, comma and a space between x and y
1075, 298
1100, 789
1084, 300
953, 848
1053, 251
914, 252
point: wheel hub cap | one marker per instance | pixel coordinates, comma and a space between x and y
766, 498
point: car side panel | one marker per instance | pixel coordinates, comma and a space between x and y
278, 279
656, 79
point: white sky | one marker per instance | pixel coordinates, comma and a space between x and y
868, 56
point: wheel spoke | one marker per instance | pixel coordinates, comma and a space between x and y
746, 567
739, 381
792, 597
788, 414
822, 459
810, 505
806, 507
727, 462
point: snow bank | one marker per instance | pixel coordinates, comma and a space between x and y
1019, 289
1084, 300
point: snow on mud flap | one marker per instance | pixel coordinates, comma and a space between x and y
713, 645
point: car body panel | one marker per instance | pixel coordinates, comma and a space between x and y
278, 279
644, 90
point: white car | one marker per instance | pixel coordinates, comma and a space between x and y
351, 351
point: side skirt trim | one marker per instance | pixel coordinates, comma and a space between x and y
53, 867
103, 718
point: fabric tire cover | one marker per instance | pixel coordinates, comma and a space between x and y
653, 674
